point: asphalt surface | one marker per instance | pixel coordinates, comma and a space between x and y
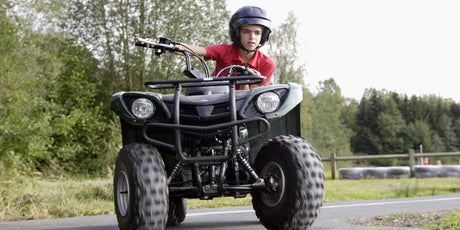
335, 215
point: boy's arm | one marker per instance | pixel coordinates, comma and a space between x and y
200, 51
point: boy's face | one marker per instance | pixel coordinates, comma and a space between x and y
250, 36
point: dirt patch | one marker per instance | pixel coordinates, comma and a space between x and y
418, 220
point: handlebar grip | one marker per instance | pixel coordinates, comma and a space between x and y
160, 47
139, 43
143, 42
156, 45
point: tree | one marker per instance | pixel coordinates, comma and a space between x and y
381, 127
445, 130
26, 68
306, 111
419, 133
348, 115
391, 133
329, 134
81, 137
456, 127
108, 29
49, 115
283, 48
366, 138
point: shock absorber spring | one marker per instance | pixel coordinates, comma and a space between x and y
175, 171
248, 167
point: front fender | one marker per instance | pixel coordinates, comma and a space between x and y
121, 101
292, 98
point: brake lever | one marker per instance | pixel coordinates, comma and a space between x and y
244, 70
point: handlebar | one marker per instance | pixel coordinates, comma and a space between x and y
159, 47
213, 81
166, 44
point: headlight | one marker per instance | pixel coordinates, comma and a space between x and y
268, 102
143, 108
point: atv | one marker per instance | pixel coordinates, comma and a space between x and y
203, 139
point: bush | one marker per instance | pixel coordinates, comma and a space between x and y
51, 119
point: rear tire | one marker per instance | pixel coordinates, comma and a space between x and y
177, 210
296, 184
140, 188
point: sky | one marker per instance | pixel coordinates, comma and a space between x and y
410, 47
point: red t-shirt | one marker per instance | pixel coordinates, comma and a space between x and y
229, 54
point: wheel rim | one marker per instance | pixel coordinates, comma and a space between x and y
276, 180
122, 193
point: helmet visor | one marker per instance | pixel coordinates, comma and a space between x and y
252, 21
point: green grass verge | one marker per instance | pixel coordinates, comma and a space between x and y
452, 221
347, 190
38, 198
424, 220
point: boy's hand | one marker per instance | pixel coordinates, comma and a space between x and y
253, 72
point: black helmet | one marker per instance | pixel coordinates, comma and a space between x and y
249, 15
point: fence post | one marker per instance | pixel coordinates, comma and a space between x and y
333, 166
411, 161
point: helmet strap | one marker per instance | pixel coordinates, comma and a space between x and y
246, 50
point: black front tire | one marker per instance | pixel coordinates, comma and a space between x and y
140, 188
295, 193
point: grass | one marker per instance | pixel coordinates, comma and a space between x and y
347, 190
424, 220
452, 221
38, 198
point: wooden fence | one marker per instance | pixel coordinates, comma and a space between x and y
411, 156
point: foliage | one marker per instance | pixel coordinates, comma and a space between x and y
283, 48
59, 71
305, 110
61, 63
388, 122
108, 29
50, 119
23, 126
39, 198
80, 129
450, 222
329, 133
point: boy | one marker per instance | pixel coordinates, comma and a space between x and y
249, 30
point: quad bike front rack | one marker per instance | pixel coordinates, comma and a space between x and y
177, 127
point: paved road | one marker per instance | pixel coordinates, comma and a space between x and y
336, 215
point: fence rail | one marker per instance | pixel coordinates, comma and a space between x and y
411, 156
